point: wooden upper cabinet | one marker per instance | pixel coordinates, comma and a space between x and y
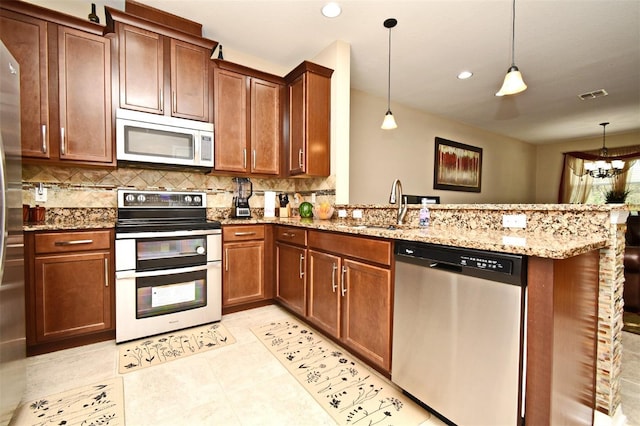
265, 127
26, 38
309, 111
230, 119
141, 58
247, 117
162, 70
189, 81
84, 78
65, 84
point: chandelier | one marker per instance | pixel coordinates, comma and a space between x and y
601, 168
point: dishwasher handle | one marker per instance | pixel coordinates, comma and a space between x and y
445, 267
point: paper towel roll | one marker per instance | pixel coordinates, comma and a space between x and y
269, 204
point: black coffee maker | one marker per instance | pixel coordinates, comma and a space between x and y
241, 195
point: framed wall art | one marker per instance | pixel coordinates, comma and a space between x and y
458, 167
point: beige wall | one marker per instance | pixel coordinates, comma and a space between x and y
377, 157
549, 160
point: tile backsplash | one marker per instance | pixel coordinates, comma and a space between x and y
90, 187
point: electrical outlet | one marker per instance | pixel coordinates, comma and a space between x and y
342, 213
41, 195
357, 214
514, 221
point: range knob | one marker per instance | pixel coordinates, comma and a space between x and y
141, 198
130, 198
197, 199
187, 199
200, 250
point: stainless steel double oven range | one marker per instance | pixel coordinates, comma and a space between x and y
168, 263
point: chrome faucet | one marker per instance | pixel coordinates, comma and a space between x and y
396, 193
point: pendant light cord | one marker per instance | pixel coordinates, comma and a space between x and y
513, 34
389, 76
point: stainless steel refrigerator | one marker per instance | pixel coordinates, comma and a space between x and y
12, 306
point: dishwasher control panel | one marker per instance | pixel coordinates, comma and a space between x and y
503, 267
481, 262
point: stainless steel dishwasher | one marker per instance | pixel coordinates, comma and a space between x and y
458, 332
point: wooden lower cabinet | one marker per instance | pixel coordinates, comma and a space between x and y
367, 311
325, 287
70, 289
292, 290
350, 293
246, 266
291, 268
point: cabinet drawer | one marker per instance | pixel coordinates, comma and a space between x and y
61, 242
368, 249
242, 232
291, 235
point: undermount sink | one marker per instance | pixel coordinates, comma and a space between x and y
387, 227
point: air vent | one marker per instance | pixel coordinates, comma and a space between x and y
592, 95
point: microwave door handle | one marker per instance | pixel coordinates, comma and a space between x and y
197, 142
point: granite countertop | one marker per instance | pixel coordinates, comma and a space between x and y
508, 241
516, 241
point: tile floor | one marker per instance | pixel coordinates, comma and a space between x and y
631, 378
240, 384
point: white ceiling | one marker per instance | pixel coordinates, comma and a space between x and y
563, 48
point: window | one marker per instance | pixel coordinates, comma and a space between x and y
601, 186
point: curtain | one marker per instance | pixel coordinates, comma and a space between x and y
575, 182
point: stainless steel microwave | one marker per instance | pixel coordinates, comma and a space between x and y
158, 139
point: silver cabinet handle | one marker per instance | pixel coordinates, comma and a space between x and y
301, 271
175, 101
300, 155
161, 100
226, 259
44, 138
62, 141
343, 289
244, 233
333, 278
244, 158
72, 242
106, 272
254, 159
289, 234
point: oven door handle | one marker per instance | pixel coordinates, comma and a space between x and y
160, 272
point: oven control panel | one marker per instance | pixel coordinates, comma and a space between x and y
160, 199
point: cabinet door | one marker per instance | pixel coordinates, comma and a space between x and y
367, 311
141, 69
26, 39
297, 132
243, 275
189, 81
73, 295
265, 127
84, 66
291, 277
230, 118
325, 286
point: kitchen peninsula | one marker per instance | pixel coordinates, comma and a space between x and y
575, 285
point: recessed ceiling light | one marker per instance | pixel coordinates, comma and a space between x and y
465, 75
331, 10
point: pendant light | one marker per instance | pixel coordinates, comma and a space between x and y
513, 82
389, 122
602, 168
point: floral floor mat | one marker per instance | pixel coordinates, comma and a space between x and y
171, 346
98, 404
350, 392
